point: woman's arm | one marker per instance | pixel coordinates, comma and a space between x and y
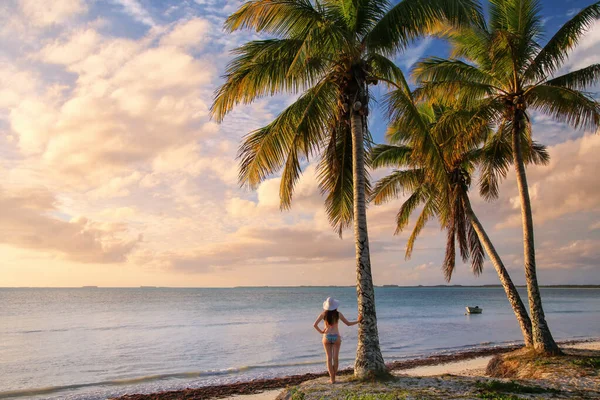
316, 324
350, 323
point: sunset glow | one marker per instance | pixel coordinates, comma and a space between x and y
113, 174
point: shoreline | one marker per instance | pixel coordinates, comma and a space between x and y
256, 386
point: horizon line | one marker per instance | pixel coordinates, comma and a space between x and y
289, 286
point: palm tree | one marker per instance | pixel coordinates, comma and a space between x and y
330, 52
437, 150
502, 67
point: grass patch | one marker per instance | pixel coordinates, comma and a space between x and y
588, 362
375, 396
493, 387
496, 396
542, 362
296, 394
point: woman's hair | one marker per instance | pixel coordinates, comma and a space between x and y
331, 317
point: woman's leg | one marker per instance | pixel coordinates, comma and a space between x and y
336, 356
328, 351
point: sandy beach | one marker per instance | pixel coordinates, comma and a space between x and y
473, 367
469, 365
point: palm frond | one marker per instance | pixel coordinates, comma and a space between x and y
291, 174
335, 175
458, 220
442, 70
494, 163
458, 94
296, 132
396, 184
426, 214
518, 17
387, 155
449, 263
262, 68
283, 18
476, 251
410, 19
404, 113
417, 197
573, 107
552, 56
359, 15
537, 154
470, 43
384, 69
578, 80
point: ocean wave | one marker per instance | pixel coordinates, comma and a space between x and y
29, 392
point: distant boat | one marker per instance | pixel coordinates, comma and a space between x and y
474, 310
89, 287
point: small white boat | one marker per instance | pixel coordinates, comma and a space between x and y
474, 310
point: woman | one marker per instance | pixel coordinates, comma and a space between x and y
332, 340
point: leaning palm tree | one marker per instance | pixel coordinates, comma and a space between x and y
435, 151
330, 52
501, 66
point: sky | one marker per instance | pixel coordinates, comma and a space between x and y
113, 174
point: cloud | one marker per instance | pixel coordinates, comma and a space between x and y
189, 35
577, 254
113, 117
262, 246
77, 47
55, 12
15, 84
561, 188
587, 50
412, 54
126, 106
28, 220
135, 10
116, 187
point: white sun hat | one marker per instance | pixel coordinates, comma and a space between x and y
330, 304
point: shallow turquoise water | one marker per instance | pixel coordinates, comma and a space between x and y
95, 343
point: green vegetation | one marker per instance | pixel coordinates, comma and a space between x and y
592, 362
539, 362
496, 396
296, 394
511, 387
375, 396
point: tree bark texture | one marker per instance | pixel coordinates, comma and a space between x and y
369, 361
543, 341
509, 288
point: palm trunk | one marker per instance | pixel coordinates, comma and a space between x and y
509, 288
369, 361
543, 341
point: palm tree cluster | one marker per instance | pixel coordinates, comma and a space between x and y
468, 115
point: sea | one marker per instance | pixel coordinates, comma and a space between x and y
95, 343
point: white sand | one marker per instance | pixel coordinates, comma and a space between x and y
473, 366
584, 346
268, 395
